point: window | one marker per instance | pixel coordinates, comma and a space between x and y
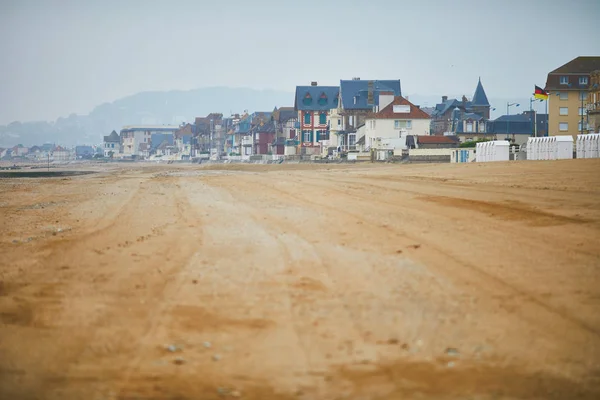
351, 140
583, 80
306, 136
582, 96
307, 101
306, 118
323, 118
481, 127
335, 102
579, 126
564, 80
322, 135
581, 111
563, 95
339, 122
323, 99
469, 127
563, 126
402, 124
563, 111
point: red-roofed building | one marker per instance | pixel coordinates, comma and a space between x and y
396, 119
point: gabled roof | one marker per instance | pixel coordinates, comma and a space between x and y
355, 93
480, 98
579, 65
268, 127
284, 114
388, 111
113, 137
472, 116
442, 108
316, 98
157, 139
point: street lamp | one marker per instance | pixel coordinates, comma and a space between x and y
534, 126
508, 106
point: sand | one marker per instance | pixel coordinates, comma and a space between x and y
302, 281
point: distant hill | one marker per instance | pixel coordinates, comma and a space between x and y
172, 107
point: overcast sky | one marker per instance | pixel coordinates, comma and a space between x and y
63, 56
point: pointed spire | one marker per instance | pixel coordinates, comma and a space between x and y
480, 98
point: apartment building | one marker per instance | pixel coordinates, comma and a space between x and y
568, 86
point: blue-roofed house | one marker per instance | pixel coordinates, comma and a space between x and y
112, 144
443, 117
313, 104
519, 127
361, 97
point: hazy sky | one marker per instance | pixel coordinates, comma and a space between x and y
64, 56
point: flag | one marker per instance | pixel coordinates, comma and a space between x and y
540, 93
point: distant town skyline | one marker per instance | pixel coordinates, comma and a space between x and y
62, 57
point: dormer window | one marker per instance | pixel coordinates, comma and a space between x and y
323, 99
564, 80
307, 101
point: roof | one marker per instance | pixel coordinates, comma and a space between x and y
388, 111
480, 98
157, 139
437, 139
355, 93
286, 113
518, 124
268, 127
362, 140
443, 107
316, 98
581, 66
113, 137
472, 116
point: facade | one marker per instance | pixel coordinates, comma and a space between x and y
569, 87
264, 135
396, 119
112, 145
132, 136
447, 116
593, 102
182, 139
61, 154
313, 104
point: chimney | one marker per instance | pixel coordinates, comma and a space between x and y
444, 99
385, 99
313, 83
356, 79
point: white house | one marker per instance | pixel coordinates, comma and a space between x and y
112, 145
132, 136
397, 118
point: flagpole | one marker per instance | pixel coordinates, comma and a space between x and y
547, 119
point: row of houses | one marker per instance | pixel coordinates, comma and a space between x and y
361, 115
49, 152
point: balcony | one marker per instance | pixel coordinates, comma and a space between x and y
593, 107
